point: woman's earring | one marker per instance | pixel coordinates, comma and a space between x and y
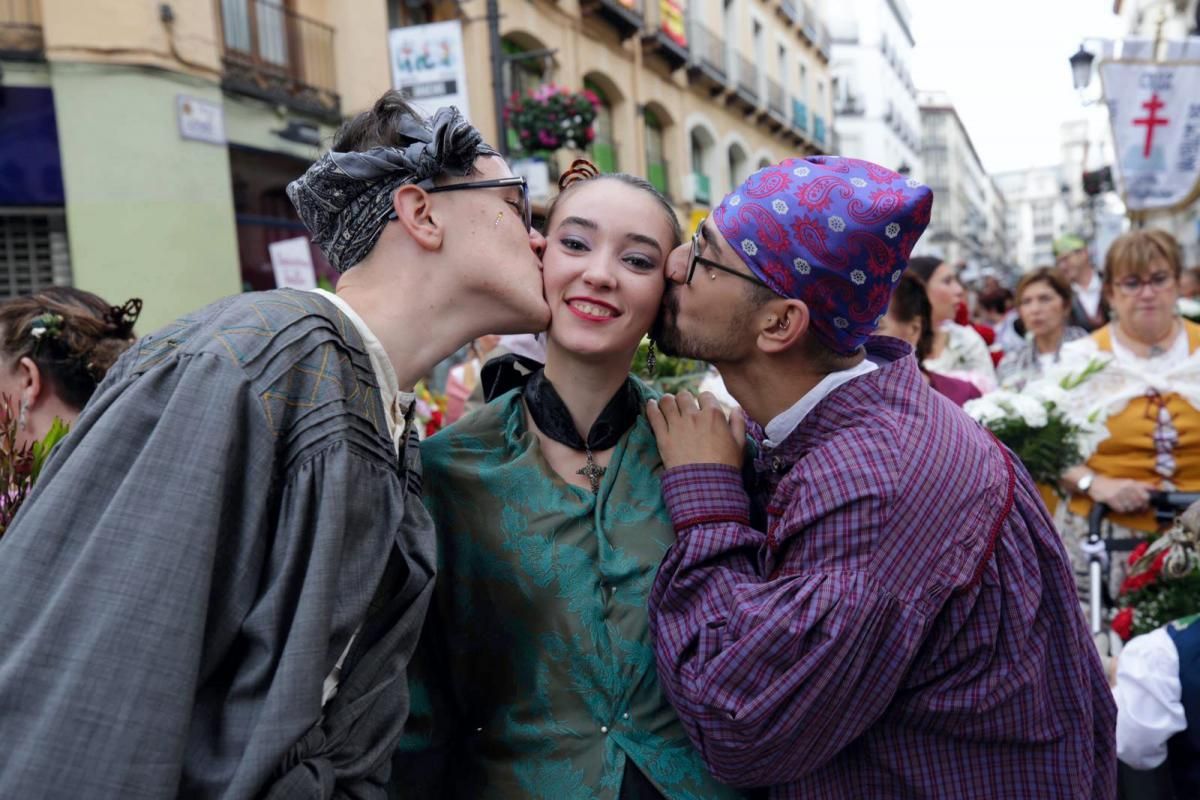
651, 360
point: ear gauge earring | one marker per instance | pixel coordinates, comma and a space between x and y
651, 359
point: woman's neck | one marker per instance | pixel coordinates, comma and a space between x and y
1149, 343
585, 385
1048, 342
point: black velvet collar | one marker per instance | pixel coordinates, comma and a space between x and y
550, 413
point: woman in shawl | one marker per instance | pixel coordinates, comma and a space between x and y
535, 676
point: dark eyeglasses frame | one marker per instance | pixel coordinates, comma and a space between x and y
496, 183
698, 259
1157, 282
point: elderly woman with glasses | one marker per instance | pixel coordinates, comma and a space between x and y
1146, 396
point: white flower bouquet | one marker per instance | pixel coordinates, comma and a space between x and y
1038, 426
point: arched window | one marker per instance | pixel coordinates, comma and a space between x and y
521, 76
656, 158
604, 148
738, 163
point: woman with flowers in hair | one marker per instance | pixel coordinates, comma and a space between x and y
535, 676
55, 347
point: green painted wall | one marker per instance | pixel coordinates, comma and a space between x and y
149, 214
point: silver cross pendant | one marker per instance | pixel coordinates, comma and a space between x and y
592, 471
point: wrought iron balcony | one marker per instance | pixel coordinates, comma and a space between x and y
21, 29
275, 54
667, 33
627, 16
659, 175
819, 129
775, 100
708, 59
791, 12
698, 189
747, 81
799, 116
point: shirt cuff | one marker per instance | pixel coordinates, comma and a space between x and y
698, 494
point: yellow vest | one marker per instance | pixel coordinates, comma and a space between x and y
1129, 452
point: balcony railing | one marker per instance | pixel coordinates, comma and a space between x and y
273, 53
21, 28
799, 116
659, 175
775, 99
791, 11
824, 40
747, 79
819, 129
708, 51
698, 189
625, 15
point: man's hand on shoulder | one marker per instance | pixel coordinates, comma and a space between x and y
691, 431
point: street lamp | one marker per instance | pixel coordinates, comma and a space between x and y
1081, 68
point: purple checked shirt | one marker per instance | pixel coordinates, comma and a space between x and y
906, 627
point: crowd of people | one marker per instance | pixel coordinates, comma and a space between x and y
242, 574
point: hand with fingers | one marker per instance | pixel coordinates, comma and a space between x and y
691, 431
1122, 495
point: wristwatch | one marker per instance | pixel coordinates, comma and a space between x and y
1085, 483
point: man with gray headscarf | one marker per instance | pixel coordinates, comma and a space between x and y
215, 589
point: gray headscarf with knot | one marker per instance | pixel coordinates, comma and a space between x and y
344, 198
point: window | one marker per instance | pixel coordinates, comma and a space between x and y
604, 148
656, 162
802, 89
240, 17
33, 250
402, 13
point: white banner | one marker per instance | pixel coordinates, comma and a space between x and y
428, 66
1155, 114
292, 263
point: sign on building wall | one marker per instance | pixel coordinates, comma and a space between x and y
1154, 109
428, 66
201, 120
672, 15
291, 260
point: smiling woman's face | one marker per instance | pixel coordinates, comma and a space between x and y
603, 267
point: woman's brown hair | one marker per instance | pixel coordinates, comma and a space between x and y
909, 303
1048, 275
1133, 252
73, 336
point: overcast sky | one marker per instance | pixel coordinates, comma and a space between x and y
1005, 67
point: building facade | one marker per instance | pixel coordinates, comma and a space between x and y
875, 99
1038, 213
969, 211
154, 141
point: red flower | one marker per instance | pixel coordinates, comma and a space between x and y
1122, 624
1138, 552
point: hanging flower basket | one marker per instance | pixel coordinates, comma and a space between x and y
552, 117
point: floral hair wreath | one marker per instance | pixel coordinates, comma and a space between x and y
580, 170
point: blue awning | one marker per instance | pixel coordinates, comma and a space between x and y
30, 167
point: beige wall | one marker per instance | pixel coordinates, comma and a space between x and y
131, 32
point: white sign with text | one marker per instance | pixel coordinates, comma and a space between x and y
291, 260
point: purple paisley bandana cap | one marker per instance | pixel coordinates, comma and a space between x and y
833, 232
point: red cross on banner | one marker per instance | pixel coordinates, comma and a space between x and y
1151, 120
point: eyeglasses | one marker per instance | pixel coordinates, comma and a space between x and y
698, 259
1132, 285
497, 183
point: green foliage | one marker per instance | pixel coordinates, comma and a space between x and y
1047, 451
671, 375
551, 117
1163, 601
20, 464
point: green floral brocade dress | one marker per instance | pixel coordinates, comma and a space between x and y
535, 677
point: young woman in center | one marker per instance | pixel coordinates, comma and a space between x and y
535, 677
